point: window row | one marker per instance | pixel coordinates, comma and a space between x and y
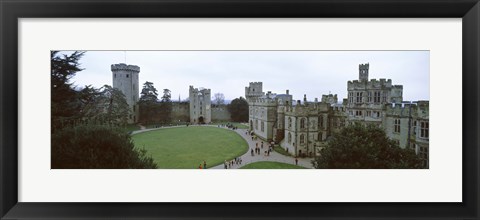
424, 128
373, 114
303, 123
372, 97
262, 126
302, 138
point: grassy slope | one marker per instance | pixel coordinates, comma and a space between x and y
280, 150
270, 165
187, 147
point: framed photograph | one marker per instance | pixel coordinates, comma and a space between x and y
227, 109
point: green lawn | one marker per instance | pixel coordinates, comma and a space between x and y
187, 147
270, 165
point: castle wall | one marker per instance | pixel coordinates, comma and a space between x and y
180, 112
414, 126
221, 113
306, 127
263, 117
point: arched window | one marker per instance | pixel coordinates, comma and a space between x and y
263, 126
256, 124
302, 139
289, 138
302, 123
289, 122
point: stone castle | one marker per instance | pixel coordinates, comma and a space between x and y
200, 104
302, 127
197, 111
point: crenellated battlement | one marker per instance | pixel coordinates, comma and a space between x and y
404, 108
372, 84
330, 98
125, 67
263, 101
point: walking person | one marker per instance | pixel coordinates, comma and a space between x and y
204, 165
225, 164
296, 161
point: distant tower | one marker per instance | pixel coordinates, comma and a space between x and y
363, 72
200, 105
125, 78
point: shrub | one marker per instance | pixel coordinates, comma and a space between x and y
96, 147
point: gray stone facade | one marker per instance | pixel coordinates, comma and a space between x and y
302, 128
265, 109
408, 124
125, 78
200, 105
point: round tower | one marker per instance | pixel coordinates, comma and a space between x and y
125, 78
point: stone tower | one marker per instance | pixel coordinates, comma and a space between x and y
253, 91
125, 78
200, 105
363, 72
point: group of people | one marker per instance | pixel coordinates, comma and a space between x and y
231, 163
204, 165
258, 150
228, 125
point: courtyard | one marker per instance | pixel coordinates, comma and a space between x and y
182, 147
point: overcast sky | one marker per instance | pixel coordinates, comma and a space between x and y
302, 72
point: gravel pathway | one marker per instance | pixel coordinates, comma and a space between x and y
247, 158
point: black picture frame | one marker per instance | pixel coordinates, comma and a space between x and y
12, 10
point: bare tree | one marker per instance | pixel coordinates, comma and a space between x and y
218, 99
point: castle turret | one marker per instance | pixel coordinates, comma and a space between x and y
254, 90
363, 72
125, 78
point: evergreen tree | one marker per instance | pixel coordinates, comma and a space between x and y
166, 107
149, 92
64, 103
148, 106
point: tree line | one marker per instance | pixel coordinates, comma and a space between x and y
159, 111
152, 110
